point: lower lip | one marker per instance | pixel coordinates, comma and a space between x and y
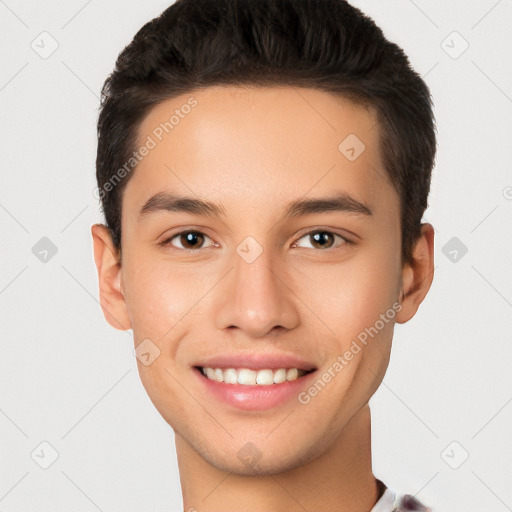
254, 397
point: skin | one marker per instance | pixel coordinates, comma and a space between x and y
254, 150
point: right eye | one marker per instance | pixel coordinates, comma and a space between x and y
189, 240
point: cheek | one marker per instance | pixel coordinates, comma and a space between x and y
155, 295
158, 302
351, 297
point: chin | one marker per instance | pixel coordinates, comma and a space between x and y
251, 461
272, 466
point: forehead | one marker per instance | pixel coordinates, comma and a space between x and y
259, 148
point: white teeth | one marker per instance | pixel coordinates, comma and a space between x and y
292, 374
280, 376
265, 377
249, 377
230, 376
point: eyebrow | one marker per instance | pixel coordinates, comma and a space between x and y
341, 202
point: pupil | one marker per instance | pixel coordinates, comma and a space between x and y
190, 237
319, 236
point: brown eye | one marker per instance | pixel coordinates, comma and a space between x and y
189, 240
323, 239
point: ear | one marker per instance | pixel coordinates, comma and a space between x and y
108, 264
417, 276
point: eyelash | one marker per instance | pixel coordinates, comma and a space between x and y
167, 241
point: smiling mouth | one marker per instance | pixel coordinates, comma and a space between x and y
249, 377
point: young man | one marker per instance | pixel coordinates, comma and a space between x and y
263, 168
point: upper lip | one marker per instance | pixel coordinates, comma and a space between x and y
255, 361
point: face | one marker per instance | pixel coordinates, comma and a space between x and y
294, 261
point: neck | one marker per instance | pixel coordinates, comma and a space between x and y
340, 479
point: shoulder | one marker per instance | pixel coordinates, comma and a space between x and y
408, 503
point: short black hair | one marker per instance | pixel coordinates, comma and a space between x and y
327, 45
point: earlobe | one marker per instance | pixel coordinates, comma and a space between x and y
107, 262
417, 275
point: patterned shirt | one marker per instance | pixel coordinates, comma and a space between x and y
391, 502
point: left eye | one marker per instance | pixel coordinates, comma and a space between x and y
322, 239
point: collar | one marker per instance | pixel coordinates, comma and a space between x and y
386, 503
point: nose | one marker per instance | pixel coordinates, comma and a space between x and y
257, 297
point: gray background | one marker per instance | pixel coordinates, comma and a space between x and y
70, 380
